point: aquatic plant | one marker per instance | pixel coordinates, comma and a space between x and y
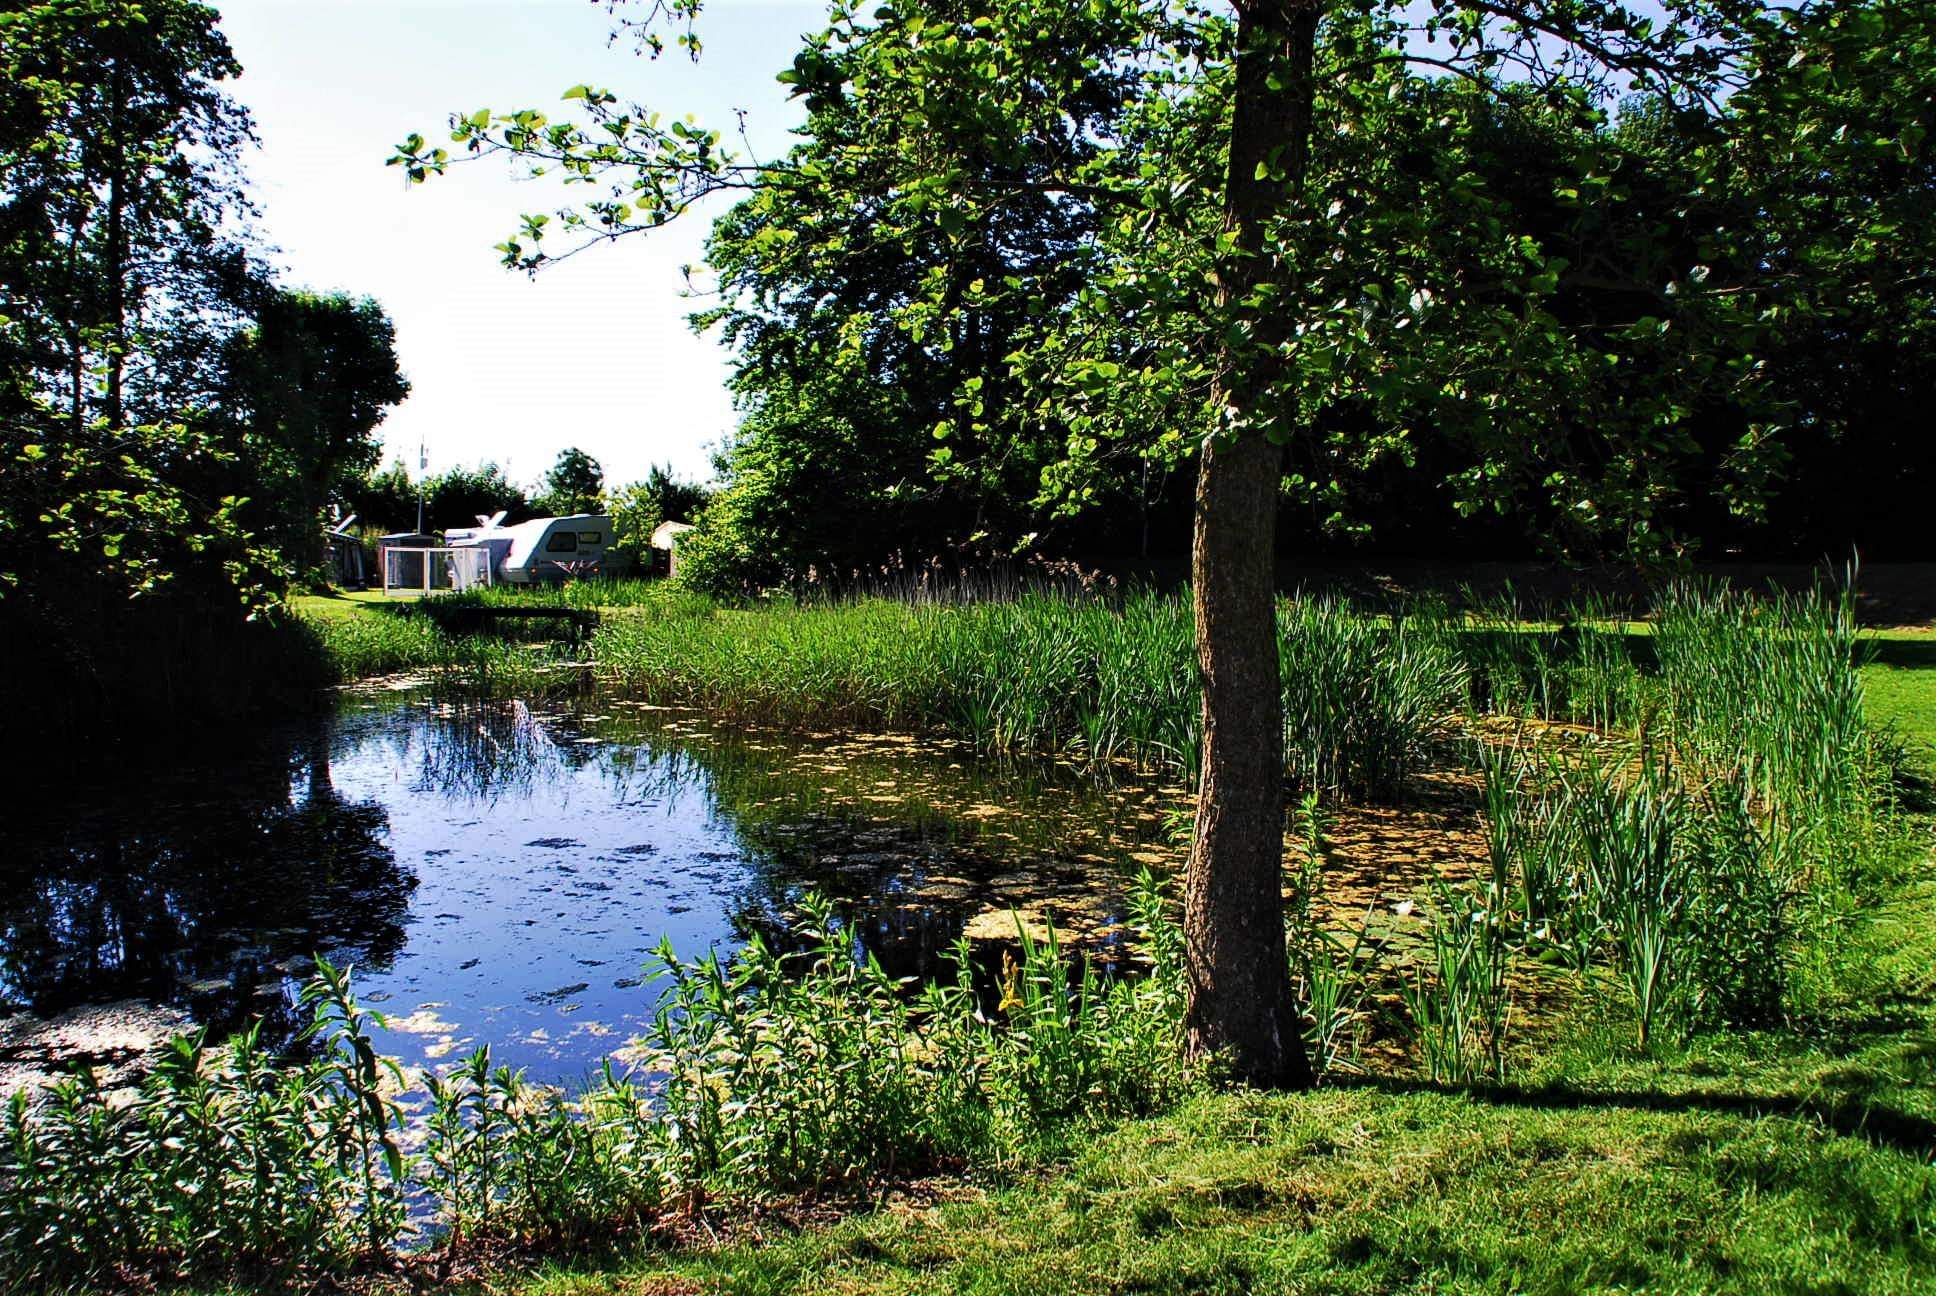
1766, 692
1099, 680
1459, 993
1362, 696
761, 1074
1331, 978
385, 640
1682, 893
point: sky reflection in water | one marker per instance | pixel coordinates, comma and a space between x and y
500, 874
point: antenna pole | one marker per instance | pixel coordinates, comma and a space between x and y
423, 466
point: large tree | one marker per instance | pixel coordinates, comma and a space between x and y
859, 317
303, 388
1361, 287
121, 202
575, 483
120, 273
155, 435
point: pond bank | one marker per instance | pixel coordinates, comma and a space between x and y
499, 871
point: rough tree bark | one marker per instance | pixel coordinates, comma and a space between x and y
1240, 1003
117, 252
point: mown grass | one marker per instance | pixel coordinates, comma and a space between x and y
1895, 676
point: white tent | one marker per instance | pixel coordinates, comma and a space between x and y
666, 534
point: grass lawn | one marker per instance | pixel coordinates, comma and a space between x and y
339, 603
1901, 684
1676, 1181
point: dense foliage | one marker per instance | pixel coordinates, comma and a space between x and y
638, 509
387, 500
575, 483
975, 306
303, 388
171, 423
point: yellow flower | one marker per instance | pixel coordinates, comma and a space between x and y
1011, 984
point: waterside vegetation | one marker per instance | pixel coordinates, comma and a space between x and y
1690, 924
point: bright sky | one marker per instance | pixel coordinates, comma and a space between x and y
594, 353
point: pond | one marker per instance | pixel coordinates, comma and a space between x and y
501, 873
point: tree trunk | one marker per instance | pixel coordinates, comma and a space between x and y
1240, 1003
117, 252
71, 328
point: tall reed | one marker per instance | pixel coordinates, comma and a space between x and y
1767, 692
1330, 977
1681, 892
1098, 680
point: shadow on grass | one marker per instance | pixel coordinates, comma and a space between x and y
1909, 654
1850, 1117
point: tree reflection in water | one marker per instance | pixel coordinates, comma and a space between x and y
555, 847
209, 887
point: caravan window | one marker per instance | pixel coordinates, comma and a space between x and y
562, 542
589, 537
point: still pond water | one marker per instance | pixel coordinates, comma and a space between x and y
501, 873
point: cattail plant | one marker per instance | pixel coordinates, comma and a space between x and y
1459, 996
1330, 977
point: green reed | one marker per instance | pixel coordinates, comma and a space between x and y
660, 596
1680, 891
526, 662
1097, 680
1766, 691
1575, 663
1459, 995
363, 644
1329, 977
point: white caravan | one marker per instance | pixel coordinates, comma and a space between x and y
543, 549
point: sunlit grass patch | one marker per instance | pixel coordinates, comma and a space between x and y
1372, 1191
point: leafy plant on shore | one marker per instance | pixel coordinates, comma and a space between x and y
227, 1161
761, 1074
